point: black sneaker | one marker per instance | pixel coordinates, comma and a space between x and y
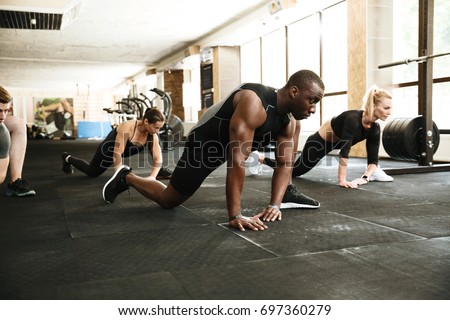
66, 167
19, 188
116, 185
294, 199
164, 173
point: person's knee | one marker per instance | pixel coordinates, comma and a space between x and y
167, 205
171, 198
3, 169
2, 176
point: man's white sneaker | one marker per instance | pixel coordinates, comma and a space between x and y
380, 175
254, 163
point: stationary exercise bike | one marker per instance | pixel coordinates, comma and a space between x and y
173, 131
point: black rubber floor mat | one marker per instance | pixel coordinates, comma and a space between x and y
369, 243
37, 263
430, 220
40, 225
129, 254
324, 276
427, 262
93, 217
301, 233
34, 270
155, 286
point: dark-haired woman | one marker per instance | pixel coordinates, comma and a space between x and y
127, 139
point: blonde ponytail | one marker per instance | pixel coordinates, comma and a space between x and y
371, 99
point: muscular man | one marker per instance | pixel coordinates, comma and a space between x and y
251, 115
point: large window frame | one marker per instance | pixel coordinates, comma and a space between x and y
300, 45
405, 46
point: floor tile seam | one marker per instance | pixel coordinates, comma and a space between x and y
259, 191
223, 225
377, 224
194, 211
444, 238
338, 250
380, 192
341, 251
373, 261
395, 206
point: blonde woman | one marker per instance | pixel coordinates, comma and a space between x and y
344, 131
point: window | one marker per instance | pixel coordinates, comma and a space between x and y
251, 61
304, 53
441, 28
405, 45
304, 45
334, 50
274, 58
405, 38
334, 105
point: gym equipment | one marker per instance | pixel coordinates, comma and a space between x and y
408, 61
124, 112
38, 133
134, 108
402, 138
173, 131
428, 136
147, 101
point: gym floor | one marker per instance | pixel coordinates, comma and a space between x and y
386, 240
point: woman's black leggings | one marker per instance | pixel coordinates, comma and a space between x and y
103, 157
314, 150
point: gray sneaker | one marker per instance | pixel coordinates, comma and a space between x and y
19, 188
116, 185
294, 199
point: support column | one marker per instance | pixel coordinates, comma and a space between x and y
357, 59
173, 83
426, 13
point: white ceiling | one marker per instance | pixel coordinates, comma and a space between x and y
111, 41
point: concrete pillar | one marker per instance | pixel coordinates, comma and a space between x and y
357, 60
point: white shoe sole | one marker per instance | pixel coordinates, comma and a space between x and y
382, 179
109, 181
293, 205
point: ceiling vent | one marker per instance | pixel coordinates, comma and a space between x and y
43, 18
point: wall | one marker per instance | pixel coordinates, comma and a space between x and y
226, 71
88, 106
173, 83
